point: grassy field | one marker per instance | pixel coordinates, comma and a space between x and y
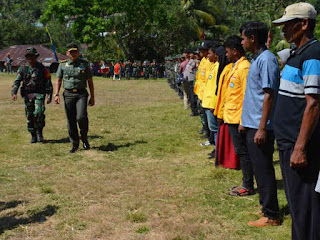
146, 177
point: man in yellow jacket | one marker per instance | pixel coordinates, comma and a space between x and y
232, 110
200, 84
209, 98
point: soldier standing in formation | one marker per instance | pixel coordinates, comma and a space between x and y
36, 84
75, 73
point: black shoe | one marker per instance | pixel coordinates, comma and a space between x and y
194, 114
202, 131
212, 155
33, 137
86, 145
40, 136
204, 136
74, 148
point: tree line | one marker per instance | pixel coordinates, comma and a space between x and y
137, 29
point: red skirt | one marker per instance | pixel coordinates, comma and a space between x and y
225, 155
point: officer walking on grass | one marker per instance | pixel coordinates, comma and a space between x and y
36, 84
75, 73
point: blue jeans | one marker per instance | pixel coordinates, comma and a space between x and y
213, 124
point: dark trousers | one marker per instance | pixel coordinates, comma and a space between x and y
261, 157
203, 119
304, 201
240, 148
192, 97
76, 110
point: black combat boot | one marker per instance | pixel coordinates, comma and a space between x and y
33, 137
74, 148
86, 145
40, 136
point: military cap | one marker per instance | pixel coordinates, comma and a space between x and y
72, 46
205, 45
31, 51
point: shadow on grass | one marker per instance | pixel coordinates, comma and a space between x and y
112, 147
7, 205
66, 140
11, 221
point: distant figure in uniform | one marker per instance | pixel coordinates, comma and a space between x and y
36, 84
8, 63
75, 73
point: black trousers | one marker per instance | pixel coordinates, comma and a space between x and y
76, 110
240, 148
304, 201
192, 97
261, 157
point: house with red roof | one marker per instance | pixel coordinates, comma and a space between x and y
17, 53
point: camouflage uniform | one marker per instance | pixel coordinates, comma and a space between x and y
36, 83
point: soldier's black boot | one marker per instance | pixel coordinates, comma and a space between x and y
33, 137
74, 148
86, 145
40, 136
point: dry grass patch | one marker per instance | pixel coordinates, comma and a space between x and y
146, 177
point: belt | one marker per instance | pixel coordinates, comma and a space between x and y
75, 90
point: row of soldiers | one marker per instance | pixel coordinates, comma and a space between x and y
245, 104
138, 69
173, 71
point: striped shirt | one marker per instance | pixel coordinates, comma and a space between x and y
300, 77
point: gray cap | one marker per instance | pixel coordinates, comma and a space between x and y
299, 10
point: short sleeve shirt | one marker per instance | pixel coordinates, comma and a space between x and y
74, 74
300, 77
263, 73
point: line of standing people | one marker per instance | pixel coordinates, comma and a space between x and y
245, 107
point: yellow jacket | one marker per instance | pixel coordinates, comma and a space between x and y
201, 77
223, 83
235, 91
209, 99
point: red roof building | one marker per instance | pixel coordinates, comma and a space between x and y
17, 53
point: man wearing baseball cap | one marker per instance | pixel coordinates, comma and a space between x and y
296, 120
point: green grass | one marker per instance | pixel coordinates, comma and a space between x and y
145, 173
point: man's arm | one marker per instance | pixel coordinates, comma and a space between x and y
16, 84
261, 134
57, 89
91, 88
309, 123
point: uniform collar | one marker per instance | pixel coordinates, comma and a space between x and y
304, 47
236, 64
70, 62
256, 55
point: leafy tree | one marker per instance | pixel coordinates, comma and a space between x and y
142, 29
19, 22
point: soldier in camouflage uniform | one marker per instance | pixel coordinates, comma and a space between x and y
75, 74
36, 84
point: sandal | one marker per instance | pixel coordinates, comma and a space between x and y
243, 192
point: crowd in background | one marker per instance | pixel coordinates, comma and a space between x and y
245, 104
128, 69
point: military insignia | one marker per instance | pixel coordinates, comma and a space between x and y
232, 85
